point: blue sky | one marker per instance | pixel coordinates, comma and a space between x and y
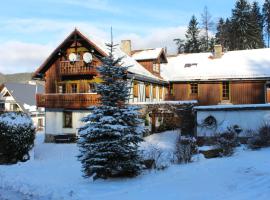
30, 29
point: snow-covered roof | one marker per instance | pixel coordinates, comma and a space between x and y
147, 54
244, 64
234, 107
24, 94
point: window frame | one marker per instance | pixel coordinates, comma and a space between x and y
71, 88
225, 90
194, 88
65, 115
135, 89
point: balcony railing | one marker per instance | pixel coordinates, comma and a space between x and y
68, 101
77, 68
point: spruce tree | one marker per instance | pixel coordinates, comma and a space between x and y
192, 44
257, 23
180, 45
109, 139
266, 16
242, 26
220, 34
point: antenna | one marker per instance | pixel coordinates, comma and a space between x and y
111, 35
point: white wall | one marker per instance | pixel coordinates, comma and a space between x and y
54, 122
245, 119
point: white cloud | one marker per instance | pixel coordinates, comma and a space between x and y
19, 56
162, 37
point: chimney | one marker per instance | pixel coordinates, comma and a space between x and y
126, 46
218, 51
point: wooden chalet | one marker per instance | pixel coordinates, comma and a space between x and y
235, 77
70, 74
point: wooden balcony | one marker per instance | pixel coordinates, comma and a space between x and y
77, 68
67, 101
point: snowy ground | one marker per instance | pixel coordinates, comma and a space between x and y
54, 174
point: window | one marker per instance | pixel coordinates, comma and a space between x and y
62, 88
154, 92
40, 122
2, 106
91, 87
194, 88
135, 89
74, 88
67, 119
14, 107
147, 91
7, 94
156, 67
190, 65
160, 92
225, 90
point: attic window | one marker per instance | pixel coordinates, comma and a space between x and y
190, 64
7, 94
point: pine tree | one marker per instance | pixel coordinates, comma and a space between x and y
207, 25
109, 139
180, 45
266, 16
192, 44
242, 25
257, 22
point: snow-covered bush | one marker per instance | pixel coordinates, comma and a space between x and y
185, 147
17, 135
155, 158
227, 141
261, 139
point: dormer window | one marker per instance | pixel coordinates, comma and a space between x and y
156, 67
190, 65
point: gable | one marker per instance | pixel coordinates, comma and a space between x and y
71, 42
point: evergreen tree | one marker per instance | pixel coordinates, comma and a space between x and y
109, 139
220, 34
192, 44
180, 45
257, 20
266, 16
244, 32
207, 25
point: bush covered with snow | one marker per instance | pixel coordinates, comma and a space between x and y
261, 139
227, 141
17, 135
185, 147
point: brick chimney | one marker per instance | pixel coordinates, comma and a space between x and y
126, 46
218, 51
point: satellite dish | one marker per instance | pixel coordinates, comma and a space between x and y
72, 57
87, 57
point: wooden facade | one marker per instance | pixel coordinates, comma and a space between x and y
152, 66
70, 84
212, 93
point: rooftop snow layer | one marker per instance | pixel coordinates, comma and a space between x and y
135, 67
244, 64
147, 54
232, 107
